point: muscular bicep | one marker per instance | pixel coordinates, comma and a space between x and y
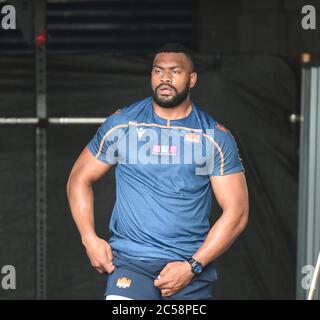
231, 191
88, 168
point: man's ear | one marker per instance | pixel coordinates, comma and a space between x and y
193, 79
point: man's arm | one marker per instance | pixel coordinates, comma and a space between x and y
86, 170
232, 196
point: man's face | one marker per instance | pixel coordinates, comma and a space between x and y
171, 79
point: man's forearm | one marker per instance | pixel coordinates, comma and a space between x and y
80, 196
221, 236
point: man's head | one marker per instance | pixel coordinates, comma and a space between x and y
172, 75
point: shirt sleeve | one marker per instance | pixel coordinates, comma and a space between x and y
225, 155
103, 145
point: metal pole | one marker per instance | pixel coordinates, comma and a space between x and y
54, 121
303, 182
309, 178
41, 149
66, 121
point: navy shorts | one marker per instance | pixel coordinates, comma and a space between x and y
134, 279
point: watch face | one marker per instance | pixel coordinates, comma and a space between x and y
197, 268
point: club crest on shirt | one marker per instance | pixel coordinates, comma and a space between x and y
124, 283
192, 137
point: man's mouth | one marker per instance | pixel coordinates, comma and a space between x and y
165, 90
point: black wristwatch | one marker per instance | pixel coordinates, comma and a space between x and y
196, 267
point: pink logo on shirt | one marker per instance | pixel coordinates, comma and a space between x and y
164, 150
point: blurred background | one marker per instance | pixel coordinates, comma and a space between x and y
258, 75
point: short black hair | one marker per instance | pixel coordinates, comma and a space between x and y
177, 48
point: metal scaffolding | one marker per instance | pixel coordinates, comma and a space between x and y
309, 179
41, 123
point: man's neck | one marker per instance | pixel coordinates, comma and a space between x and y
178, 112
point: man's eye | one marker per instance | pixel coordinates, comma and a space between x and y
176, 71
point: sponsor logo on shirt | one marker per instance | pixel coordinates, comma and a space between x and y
124, 283
164, 150
140, 132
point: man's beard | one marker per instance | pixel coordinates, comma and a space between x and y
178, 98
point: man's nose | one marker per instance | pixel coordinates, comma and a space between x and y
166, 77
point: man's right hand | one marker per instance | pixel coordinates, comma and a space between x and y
99, 253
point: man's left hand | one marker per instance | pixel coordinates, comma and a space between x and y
173, 277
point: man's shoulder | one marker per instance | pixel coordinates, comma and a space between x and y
207, 120
122, 116
212, 126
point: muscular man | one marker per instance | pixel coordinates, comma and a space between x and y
170, 158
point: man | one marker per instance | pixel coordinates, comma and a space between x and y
169, 157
